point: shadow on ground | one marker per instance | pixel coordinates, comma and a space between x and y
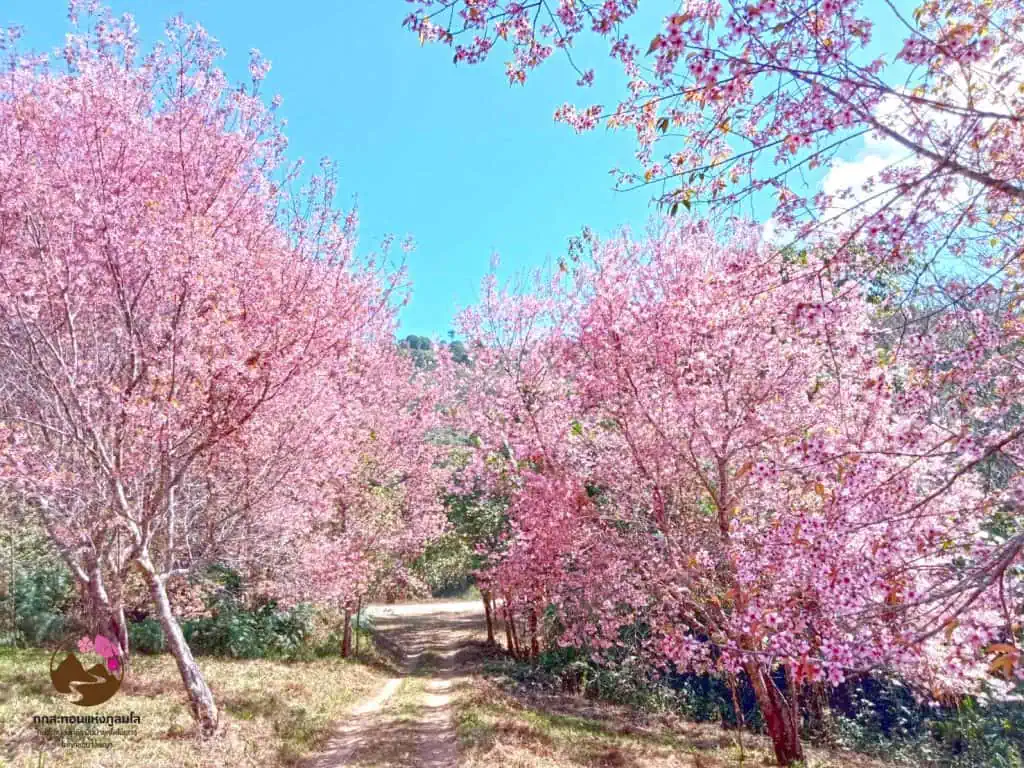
410, 723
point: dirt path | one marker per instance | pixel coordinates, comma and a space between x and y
408, 723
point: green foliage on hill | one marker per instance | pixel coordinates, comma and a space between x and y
421, 349
475, 523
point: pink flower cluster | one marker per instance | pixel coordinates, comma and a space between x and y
102, 646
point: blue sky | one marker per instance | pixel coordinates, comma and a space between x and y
450, 155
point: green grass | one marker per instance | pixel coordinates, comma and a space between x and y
272, 713
495, 727
407, 703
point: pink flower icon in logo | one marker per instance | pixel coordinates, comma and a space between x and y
102, 647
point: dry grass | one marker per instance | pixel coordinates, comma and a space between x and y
496, 727
273, 713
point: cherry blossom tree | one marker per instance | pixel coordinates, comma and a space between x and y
759, 476
191, 356
765, 103
385, 491
765, 91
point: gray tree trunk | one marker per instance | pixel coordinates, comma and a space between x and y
204, 709
108, 619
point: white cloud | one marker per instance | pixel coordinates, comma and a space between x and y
993, 88
877, 154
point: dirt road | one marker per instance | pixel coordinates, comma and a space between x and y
408, 723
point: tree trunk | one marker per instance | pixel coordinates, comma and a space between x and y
106, 618
783, 727
515, 635
741, 722
508, 634
119, 626
509, 638
346, 636
204, 710
490, 621
793, 689
359, 613
822, 708
534, 639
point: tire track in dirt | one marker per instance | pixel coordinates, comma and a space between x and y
408, 723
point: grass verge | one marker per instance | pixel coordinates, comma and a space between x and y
272, 713
496, 725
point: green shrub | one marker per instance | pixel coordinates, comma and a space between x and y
874, 714
241, 633
146, 636
447, 566
38, 589
973, 735
887, 723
